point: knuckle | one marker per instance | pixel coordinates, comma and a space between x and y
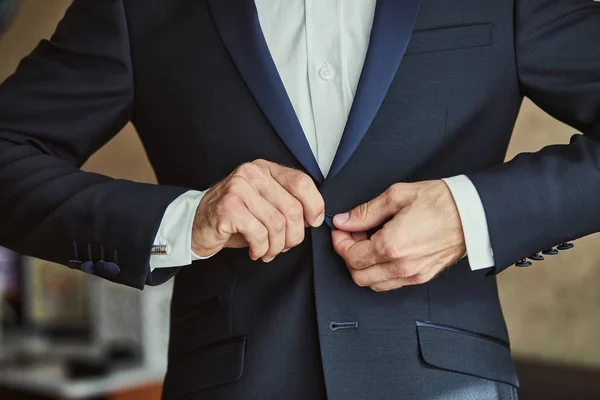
278, 222
360, 280
260, 162
295, 212
258, 232
236, 184
248, 169
228, 204
221, 228
386, 247
302, 181
261, 235
390, 252
392, 194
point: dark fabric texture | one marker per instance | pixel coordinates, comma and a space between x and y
298, 328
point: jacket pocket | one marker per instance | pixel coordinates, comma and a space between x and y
450, 38
203, 323
467, 352
209, 366
204, 306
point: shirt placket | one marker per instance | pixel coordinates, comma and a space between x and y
326, 76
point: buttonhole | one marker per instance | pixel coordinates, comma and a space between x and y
334, 326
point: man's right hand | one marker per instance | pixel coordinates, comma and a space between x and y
261, 205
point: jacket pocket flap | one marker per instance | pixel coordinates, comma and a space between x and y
451, 38
468, 352
210, 366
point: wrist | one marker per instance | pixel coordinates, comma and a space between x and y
197, 243
440, 196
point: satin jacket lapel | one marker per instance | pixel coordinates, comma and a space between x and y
239, 27
393, 23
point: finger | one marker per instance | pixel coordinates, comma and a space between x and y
271, 218
237, 241
242, 221
390, 271
374, 212
388, 286
357, 254
288, 206
302, 187
379, 273
394, 284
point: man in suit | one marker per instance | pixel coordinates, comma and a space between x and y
355, 147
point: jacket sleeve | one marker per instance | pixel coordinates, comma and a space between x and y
66, 99
538, 200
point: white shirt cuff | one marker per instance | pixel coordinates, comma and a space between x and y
474, 222
175, 232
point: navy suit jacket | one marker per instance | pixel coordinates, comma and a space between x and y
439, 94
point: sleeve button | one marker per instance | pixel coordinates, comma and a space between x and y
523, 263
88, 267
537, 257
111, 270
550, 252
565, 246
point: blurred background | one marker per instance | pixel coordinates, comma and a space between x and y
60, 327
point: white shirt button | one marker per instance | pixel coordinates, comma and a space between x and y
326, 72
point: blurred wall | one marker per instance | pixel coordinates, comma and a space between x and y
552, 308
124, 156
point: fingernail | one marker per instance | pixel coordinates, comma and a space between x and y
341, 218
269, 260
319, 221
285, 250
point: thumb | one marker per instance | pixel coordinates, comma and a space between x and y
370, 214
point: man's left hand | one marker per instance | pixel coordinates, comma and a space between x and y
422, 236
